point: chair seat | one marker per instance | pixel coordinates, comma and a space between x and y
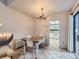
6, 58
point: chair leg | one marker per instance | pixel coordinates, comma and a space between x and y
33, 53
11, 57
37, 47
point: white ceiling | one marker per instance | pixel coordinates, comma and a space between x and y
32, 7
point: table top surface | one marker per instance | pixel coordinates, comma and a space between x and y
34, 38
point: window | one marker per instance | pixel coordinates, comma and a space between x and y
54, 29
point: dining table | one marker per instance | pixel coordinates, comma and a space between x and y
36, 39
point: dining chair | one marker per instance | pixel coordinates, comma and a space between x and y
41, 45
42, 38
32, 45
29, 42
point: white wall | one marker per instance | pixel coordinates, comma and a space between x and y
13, 21
42, 27
70, 34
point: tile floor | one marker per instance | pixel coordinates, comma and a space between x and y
50, 54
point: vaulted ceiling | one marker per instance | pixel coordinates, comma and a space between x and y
32, 7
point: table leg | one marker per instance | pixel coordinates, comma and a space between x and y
24, 47
24, 44
37, 46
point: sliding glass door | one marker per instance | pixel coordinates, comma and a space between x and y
76, 33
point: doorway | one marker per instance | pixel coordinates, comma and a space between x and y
54, 33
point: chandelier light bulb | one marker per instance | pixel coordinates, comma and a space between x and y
42, 16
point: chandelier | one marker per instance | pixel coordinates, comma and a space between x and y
42, 16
